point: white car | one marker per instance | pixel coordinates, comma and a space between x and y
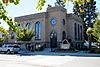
7, 48
86, 44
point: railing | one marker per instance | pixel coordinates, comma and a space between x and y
78, 45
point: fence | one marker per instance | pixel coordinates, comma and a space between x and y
78, 45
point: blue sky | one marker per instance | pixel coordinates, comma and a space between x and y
26, 7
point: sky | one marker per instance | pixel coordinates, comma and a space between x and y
26, 7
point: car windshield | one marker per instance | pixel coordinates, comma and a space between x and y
10, 46
16, 46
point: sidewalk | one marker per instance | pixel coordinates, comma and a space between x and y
80, 53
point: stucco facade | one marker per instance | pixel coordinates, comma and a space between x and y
55, 21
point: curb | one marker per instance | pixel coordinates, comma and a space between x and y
61, 54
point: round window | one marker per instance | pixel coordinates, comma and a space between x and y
53, 21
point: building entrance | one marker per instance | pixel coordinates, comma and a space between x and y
53, 39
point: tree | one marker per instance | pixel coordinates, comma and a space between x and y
90, 11
87, 12
4, 33
40, 3
24, 34
96, 30
89, 33
4, 15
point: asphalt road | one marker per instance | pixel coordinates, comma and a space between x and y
48, 61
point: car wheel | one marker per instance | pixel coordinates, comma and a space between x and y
16, 52
8, 52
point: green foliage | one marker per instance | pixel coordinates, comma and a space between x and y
5, 34
87, 12
24, 34
4, 16
89, 31
60, 3
96, 30
40, 3
2, 39
6, 2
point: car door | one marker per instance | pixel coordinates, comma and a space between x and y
4, 48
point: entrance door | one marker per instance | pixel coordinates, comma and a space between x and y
53, 39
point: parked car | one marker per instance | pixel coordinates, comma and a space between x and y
98, 49
8, 48
86, 44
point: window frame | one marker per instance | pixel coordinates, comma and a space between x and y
38, 30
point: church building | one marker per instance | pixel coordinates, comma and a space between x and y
54, 25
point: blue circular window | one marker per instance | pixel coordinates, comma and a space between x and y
53, 21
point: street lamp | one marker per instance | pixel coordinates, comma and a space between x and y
89, 32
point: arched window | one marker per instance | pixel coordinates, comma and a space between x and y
75, 31
81, 34
63, 21
53, 33
78, 32
37, 30
28, 25
19, 26
12, 35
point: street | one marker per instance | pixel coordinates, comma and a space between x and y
48, 61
